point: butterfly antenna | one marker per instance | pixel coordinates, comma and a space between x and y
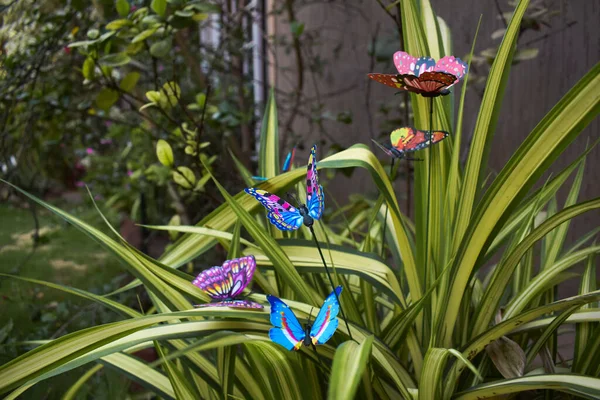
310, 314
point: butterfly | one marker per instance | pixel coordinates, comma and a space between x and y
290, 334
423, 75
226, 282
289, 160
287, 217
407, 140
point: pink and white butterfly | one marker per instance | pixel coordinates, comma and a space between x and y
423, 75
226, 282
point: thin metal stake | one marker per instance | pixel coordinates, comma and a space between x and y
331, 281
430, 149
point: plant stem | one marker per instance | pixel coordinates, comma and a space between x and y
331, 281
387, 208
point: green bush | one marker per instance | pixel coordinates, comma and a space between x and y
427, 330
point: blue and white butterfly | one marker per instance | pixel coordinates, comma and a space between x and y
288, 331
287, 217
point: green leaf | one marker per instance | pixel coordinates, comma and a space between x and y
164, 153
106, 98
226, 365
184, 177
161, 48
88, 68
154, 96
71, 394
526, 54
506, 327
122, 7
504, 272
349, 363
118, 24
144, 35
5, 330
115, 60
268, 156
486, 123
547, 141
584, 332
159, 7
577, 385
181, 386
128, 83
93, 34
296, 28
106, 302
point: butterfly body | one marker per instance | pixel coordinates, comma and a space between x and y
287, 217
224, 283
306, 218
289, 333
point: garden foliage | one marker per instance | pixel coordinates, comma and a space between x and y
441, 329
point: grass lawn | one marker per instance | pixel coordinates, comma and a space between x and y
65, 256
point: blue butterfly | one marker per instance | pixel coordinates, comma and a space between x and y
287, 217
289, 333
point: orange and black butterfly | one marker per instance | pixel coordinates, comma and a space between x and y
423, 75
408, 140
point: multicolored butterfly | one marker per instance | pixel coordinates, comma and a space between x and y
226, 282
289, 159
290, 334
287, 217
408, 140
423, 75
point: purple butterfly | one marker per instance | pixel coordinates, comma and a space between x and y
226, 282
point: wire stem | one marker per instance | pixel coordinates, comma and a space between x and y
319, 359
331, 281
425, 267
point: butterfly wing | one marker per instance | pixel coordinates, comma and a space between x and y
281, 213
326, 322
234, 303
407, 139
391, 80
239, 272
432, 82
405, 63
452, 65
289, 159
287, 330
315, 197
437, 136
215, 283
